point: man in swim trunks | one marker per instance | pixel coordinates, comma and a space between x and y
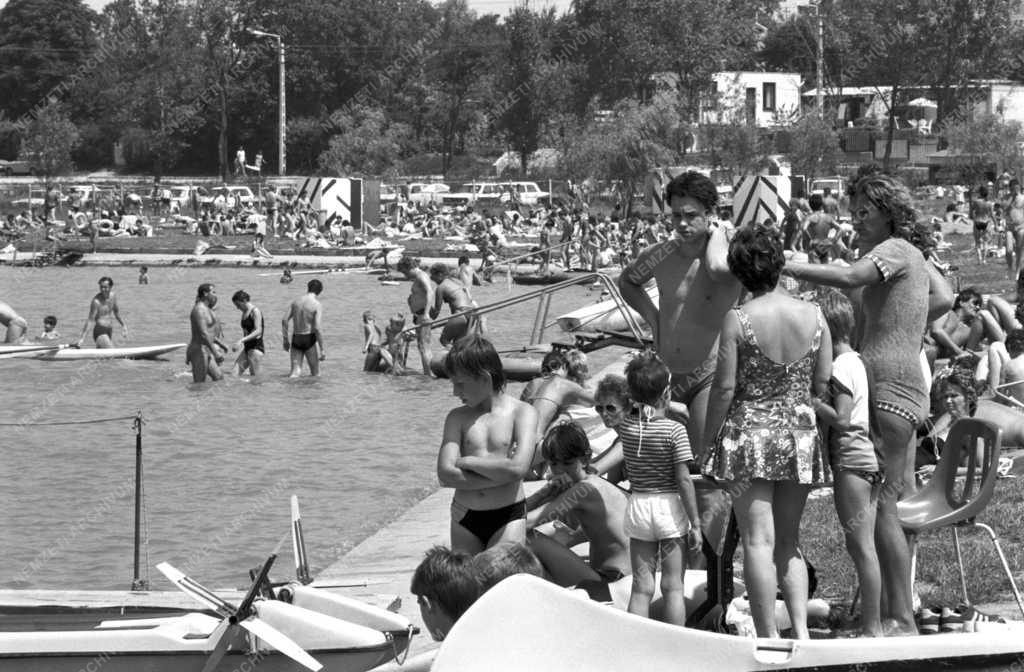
205, 352
16, 325
696, 291
101, 310
306, 316
450, 290
421, 298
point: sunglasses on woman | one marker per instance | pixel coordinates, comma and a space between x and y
607, 408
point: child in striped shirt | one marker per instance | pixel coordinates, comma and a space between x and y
662, 509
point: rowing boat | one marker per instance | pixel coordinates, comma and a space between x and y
556, 630
68, 353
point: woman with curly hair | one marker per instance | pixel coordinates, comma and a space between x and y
894, 311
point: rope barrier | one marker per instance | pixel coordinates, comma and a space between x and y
66, 422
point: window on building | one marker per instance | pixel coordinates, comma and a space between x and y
768, 96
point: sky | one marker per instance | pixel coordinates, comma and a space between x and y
500, 7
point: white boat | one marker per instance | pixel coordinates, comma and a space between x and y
68, 353
601, 316
339, 633
274, 628
550, 629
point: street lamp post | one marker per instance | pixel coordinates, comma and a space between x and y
819, 97
282, 124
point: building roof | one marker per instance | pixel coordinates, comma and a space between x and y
850, 91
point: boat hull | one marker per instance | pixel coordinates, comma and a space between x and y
75, 354
172, 661
343, 634
602, 316
555, 630
517, 369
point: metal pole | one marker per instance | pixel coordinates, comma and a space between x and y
820, 97
281, 122
137, 582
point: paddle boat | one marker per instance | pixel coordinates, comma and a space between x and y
556, 630
517, 369
601, 316
539, 278
70, 353
273, 628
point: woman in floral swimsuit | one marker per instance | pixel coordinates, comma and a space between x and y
774, 354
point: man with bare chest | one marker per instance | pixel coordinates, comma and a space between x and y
103, 311
696, 291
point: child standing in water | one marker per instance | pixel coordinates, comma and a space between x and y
852, 455
662, 510
371, 342
486, 449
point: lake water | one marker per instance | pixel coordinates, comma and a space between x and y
221, 459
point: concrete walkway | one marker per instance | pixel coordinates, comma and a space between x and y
387, 559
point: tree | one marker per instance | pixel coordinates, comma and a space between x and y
367, 144
813, 147
735, 146
306, 142
459, 68
522, 108
985, 143
48, 141
632, 40
43, 43
625, 147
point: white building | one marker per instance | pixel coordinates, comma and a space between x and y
762, 99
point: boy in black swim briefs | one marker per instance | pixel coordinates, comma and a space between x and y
486, 450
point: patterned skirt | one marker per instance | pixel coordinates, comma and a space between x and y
744, 452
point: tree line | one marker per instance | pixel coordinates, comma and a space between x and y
383, 87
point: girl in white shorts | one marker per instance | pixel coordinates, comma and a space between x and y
662, 509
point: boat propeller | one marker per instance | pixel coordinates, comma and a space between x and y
244, 616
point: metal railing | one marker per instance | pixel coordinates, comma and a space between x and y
544, 294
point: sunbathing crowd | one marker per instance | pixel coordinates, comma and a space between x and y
770, 376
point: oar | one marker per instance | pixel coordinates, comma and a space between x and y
243, 616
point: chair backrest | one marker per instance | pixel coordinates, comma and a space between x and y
980, 442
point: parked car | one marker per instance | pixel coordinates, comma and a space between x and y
528, 193
243, 196
232, 197
835, 184
425, 193
181, 197
475, 193
9, 168
388, 194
